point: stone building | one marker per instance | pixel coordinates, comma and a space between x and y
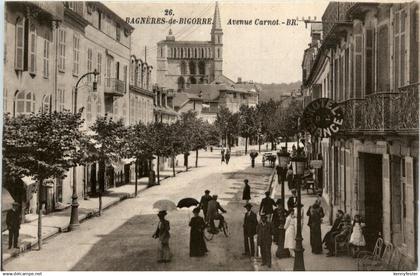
182, 63
368, 63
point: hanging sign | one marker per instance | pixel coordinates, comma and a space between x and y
322, 118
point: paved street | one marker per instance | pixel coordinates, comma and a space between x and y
121, 238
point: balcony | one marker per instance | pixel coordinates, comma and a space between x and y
114, 87
384, 112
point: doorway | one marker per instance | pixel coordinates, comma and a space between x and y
373, 198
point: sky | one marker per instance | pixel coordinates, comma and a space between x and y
267, 54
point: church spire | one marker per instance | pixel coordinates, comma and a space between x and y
216, 19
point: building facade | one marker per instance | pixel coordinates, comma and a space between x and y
182, 63
368, 63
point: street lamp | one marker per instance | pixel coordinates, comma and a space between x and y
298, 165
283, 157
74, 216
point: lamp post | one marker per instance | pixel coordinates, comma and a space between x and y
283, 157
74, 216
298, 164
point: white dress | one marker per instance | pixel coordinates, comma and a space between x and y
290, 236
356, 237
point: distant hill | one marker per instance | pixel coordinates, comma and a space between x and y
276, 90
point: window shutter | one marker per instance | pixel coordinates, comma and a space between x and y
32, 50
386, 198
358, 42
383, 59
409, 225
19, 46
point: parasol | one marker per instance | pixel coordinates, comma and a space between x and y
187, 202
164, 205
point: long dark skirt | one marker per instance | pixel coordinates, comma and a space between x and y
315, 237
198, 246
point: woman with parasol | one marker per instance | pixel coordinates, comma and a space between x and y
198, 246
162, 233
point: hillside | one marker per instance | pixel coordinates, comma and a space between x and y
276, 90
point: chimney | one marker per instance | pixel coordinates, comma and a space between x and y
239, 80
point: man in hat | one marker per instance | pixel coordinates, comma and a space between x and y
246, 194
253, 155
162, 233
204, 202
250, 229
213, 213
264, 232
292, 201
13, 220
266, 205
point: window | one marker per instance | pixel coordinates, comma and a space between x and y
370, 64
99, 106
218, 53
118, 32
192, 67
125, 77
117, 70
46, 103
89, 65
399, 48
99, 67
383, 59
108, 71
89, 109
24, 103
183, 68
62, 50
32, 50
46, 58
60, 100
76, 54
19, 44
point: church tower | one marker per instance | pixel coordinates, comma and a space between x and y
217, 44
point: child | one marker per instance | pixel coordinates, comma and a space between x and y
357, 240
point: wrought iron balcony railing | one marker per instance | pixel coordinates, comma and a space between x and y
384, 112
115, 87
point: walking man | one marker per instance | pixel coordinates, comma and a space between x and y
227, 156
246, 195
264, 232
250, 229
204, 202
222, 152
253, 155
13, 224
266, 206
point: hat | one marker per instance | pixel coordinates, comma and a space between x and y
293, 191
248, 205
196, 210
267, 193
246, 180
206, 191
162, 213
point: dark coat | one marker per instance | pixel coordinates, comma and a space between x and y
291, 202
162, 231
250, 224
13, 219
204, 202
246, 195
265, 233
267, 205
197, 243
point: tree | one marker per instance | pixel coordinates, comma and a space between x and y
41, 146
106, 145
158, 139
248, 123
227, 125
289, 117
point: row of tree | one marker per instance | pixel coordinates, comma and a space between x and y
267, 121
46, 145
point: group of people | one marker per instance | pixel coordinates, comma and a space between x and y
343, 229
225, 155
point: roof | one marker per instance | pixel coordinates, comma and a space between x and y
223, 79
165, 110
182, 98
183, 42
216, 18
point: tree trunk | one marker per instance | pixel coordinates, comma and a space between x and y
135, 176
101, 176
150, 172
287, 138
196, 158
100, 203
259, 144
186, 161
246, 145
173, 165
39, 209
158, 170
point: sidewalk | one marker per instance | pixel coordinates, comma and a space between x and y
313, 262
58, 222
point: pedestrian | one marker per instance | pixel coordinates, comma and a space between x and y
344, 233
290, 236
13, 220
279, 171
253, 155
246, 194
264, 236
198, 247
292, 201
357, 240
267, 205
222, 152
250, 229
162, 233
227, 156
289, 178
335, 229
204, 202
278, 221
315, 214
